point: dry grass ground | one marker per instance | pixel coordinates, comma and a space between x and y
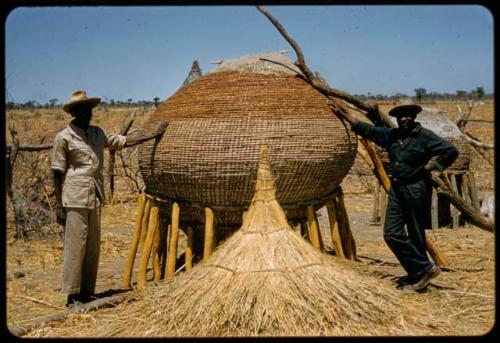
460, 302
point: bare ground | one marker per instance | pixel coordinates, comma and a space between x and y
463, 295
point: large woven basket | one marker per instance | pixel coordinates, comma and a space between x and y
209, 154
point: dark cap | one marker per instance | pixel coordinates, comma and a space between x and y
412, 110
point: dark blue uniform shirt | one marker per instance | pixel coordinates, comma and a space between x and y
409, 152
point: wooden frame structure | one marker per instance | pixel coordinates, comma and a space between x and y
158, 242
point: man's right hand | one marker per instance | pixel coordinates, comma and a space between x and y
60, 215
161, 128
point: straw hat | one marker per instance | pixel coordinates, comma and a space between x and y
410, 109
80, 97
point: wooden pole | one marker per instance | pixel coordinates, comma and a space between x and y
146, 250
164, 242
189, 249
127, 274
473, 215
174, 238
145, 221
454, 211
472, 190
209, 233
435, 253
304, 231
347, 239
434, 209
464, 186
334, 228
156, 255
314, 232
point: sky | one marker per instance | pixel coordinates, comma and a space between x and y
140, 53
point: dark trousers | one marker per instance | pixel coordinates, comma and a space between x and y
408, 204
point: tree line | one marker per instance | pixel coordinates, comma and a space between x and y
421, 95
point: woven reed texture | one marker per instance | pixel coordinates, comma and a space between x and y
209, 153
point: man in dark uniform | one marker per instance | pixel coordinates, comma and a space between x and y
411, 149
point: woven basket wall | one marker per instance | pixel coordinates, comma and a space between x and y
217, 124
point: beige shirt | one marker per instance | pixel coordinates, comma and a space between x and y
80, 156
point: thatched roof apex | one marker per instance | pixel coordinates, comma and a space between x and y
276, 63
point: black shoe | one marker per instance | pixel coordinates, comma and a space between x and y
74, 300
425, 280
405, 280
86, 297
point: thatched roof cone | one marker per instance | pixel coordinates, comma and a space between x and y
266, 280
194, 73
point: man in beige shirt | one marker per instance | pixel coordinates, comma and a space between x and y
77, 164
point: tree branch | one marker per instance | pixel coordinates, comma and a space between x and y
376, 117
373, 112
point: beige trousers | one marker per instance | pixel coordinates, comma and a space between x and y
82, 240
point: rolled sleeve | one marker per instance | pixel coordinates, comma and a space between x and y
377, 134
59, 153
115, 141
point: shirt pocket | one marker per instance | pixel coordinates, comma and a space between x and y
79, 153
76, 194
415, 155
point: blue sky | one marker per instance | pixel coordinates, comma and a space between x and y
143, 52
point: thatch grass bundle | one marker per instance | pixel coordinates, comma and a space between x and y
266, 280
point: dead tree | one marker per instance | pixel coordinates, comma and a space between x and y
377, 117
462, 120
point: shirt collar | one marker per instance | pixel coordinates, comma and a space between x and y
77, 130
414, 132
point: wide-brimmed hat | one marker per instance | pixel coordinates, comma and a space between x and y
80, 97
411, 109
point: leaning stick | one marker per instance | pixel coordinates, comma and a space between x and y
174, 238
378, 167
127, 275
17, 330
435, 254
146, 250
314, 228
